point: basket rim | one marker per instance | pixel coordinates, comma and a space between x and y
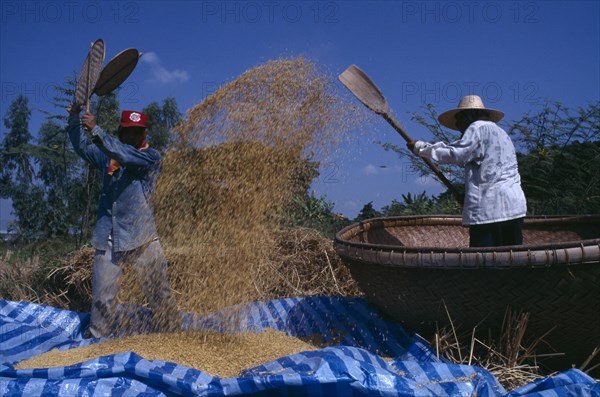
452, 220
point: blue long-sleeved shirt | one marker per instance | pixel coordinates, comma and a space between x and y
492, 182
124, 208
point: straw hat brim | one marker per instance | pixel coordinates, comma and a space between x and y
448, 119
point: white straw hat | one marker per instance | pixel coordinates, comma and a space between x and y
448, 119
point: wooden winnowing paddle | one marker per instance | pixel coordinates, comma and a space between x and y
88, 76
361, 86
116, 71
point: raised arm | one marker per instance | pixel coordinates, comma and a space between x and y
82, 144
127, 155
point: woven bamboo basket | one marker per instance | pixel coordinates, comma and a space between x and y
420, 271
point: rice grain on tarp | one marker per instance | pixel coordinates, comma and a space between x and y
223, 355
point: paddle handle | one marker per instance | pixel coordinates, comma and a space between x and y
88, 89
438, 173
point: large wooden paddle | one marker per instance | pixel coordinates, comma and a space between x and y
361, 86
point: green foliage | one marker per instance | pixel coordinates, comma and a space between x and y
367, 212
420, 204
161, 120
560, 171
35, 272
16, 160
17, 173
556, 126
417, 204
309, 211
48, 250
56, 164
454, 173
53, 192
106, 111
314, 212
29, 207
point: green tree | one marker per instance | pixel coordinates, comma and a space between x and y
16, 160
71, 187
315, 212
17, 173
52, 190
309, 210
421, 204
59, 169
454, 173
106, 110
29, 209
560, 166
556, 126
367, 212
161, 120
57, 176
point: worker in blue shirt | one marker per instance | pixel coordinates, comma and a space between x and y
125, 231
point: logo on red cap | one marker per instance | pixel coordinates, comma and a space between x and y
130, 118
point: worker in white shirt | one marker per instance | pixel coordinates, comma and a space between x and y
494, 204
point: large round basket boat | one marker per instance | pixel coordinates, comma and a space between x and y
421, 272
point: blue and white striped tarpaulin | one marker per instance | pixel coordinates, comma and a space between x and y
353, 367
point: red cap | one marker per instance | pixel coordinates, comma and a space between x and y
131, 118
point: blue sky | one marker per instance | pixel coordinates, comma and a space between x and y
514, 54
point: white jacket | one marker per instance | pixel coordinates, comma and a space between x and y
492, 183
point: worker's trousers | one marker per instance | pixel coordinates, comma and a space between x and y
150, 267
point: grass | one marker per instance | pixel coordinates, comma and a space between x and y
40, 272
506, 354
